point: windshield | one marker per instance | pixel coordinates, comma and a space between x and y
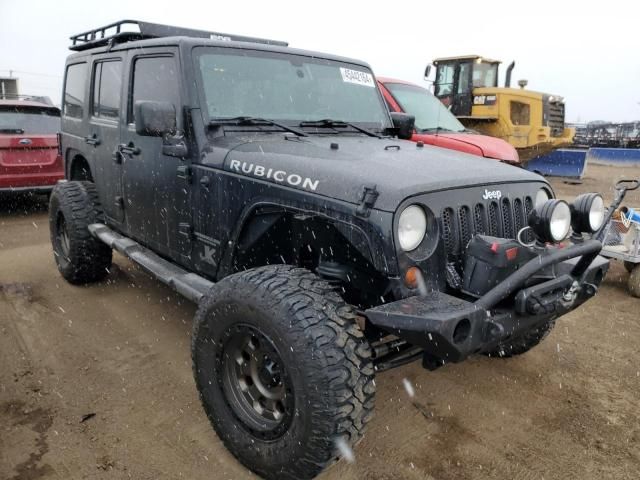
430, 113
29, 120
288, 88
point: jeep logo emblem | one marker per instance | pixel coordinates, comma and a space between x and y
492, 194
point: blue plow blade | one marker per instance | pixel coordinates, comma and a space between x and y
614, 156
568, 163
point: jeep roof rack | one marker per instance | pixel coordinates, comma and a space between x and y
130, 30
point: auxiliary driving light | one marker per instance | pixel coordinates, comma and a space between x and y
587, 213
551, 221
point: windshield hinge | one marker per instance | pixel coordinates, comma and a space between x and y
184, 173
367, 200
185, 229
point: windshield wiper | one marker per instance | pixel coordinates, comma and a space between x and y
19, 131
329, 123
257, 121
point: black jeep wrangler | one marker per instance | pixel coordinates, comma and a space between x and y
272, 186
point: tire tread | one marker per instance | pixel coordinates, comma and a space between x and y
325, 323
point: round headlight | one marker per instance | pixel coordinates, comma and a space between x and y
412, 227
588, 212
541, 197
551, 221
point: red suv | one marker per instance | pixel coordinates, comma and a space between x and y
29, 157
435, 125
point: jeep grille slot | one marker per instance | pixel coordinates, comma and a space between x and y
503, 218
528, 207
465, 225
480, 219
518, 215
448, 230
493, 219
507, 219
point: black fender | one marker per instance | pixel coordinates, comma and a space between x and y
366, 236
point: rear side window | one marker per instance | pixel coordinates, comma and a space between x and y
154, 79
107, 83
29, 120
74, 90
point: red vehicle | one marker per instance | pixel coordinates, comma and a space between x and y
435, 125
29, 157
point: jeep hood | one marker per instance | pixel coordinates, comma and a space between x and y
339, 166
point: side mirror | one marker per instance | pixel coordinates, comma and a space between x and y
403, 124
427, 71
154, 119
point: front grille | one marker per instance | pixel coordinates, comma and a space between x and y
499, 218
555, 118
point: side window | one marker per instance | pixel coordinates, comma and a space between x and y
107, 82
520, 113
74, 90
154, 79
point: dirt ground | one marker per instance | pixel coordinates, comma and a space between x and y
95, 383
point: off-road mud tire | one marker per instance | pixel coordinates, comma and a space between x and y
326, 358
80, 257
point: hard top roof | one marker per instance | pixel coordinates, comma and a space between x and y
464, 57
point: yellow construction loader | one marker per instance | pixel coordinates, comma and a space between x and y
532, 122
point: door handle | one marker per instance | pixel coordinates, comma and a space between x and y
92, 140
129, 148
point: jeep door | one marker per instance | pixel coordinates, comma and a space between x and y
155, 185
103, 132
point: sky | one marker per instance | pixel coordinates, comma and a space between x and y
583, 50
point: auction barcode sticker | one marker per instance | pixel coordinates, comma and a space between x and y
357, 77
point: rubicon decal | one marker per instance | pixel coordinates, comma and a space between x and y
279, 176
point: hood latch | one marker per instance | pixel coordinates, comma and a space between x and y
367, 200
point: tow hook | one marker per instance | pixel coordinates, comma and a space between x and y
571, 294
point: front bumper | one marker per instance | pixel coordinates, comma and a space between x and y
450, 329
